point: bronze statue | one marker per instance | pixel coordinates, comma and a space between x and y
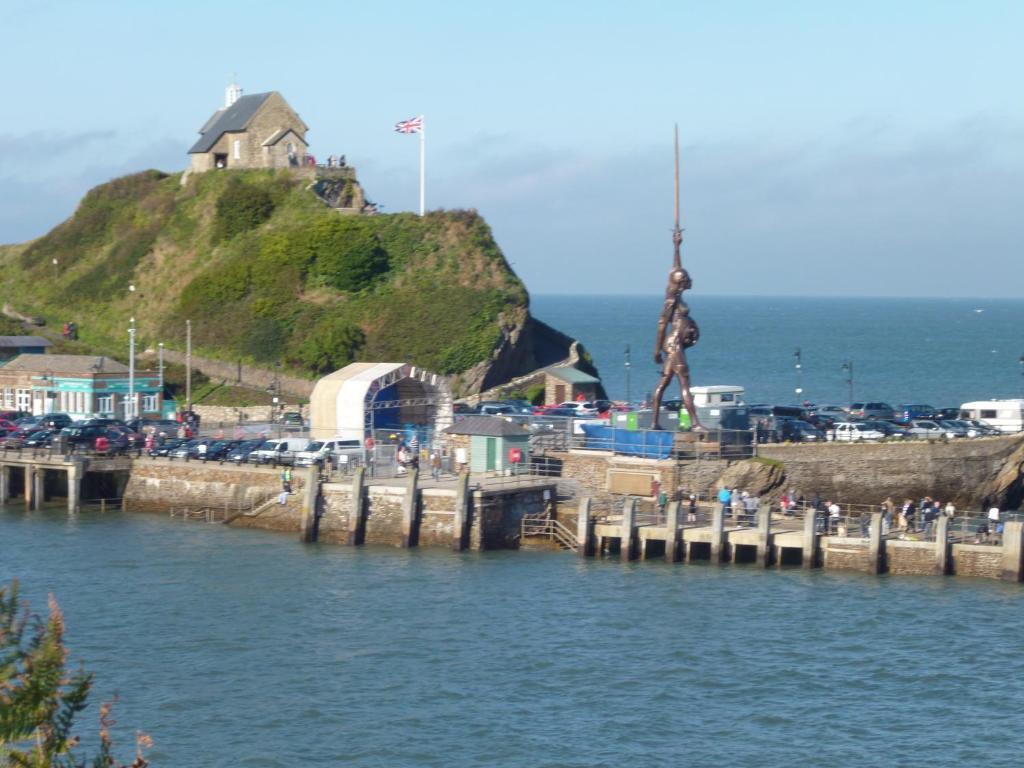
677, 331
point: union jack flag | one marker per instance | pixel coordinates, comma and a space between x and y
413, 125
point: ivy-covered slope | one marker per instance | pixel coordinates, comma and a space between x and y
267, 273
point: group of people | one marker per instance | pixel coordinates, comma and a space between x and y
69, 331
741, 505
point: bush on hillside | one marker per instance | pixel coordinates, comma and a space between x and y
240, 207
334, 343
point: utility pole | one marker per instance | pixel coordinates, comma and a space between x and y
188, 365
160, 346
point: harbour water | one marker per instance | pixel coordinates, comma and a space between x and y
246, 648
938, 351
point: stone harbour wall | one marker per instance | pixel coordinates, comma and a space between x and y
977, 560
158, 485
910, 558
845, 554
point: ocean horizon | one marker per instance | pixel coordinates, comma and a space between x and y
943, 352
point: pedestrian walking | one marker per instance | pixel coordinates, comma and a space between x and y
435, 464
691, 513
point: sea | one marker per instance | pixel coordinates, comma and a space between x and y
940, 352
247, 648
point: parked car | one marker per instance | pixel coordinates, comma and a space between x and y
872, 411
802, 432
584, 409
14, 415
925, 428
855, 432
834, 412
167, 446
887, 428
57, 420
494, 409
955, 428
948, 413
907, 413
520, 406
83, 435
218, 450
240, 453
981, 428
281, 451
190, 449
102, 421
40, 438
292, 419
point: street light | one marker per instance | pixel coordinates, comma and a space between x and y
799, 375
130, 410
848, 369
160, 347
629, 365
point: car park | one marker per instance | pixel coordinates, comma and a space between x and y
875, 410
855, 432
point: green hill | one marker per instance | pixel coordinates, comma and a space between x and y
268, 273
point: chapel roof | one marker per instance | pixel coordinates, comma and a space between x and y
233, 118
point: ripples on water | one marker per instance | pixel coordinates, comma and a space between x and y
243, 648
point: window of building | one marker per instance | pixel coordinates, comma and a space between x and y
149, 404
105, 404
24, 399
237, 149
8, 398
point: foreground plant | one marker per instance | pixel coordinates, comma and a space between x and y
39, 698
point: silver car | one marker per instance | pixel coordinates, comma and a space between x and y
923, 428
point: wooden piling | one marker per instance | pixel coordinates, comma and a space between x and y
410, 527
584, 529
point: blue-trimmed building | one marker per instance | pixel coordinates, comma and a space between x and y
79, 385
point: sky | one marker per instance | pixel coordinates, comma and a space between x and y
829, 149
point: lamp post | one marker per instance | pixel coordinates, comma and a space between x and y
629, 365
848, 369
160, 358
130, 410
799, 375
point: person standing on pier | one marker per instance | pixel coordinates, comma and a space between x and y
725, 499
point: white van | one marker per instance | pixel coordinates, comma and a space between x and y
1004, 415
343, 451
281, 451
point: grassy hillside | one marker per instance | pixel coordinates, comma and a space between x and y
267, 273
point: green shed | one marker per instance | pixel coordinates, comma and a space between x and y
494, 443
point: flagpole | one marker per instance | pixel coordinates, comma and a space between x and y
423, 165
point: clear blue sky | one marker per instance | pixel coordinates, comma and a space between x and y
871, 148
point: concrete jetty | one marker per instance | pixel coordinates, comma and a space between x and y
776, 541
38, 476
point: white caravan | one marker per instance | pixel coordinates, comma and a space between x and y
1004, 415
716, 395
